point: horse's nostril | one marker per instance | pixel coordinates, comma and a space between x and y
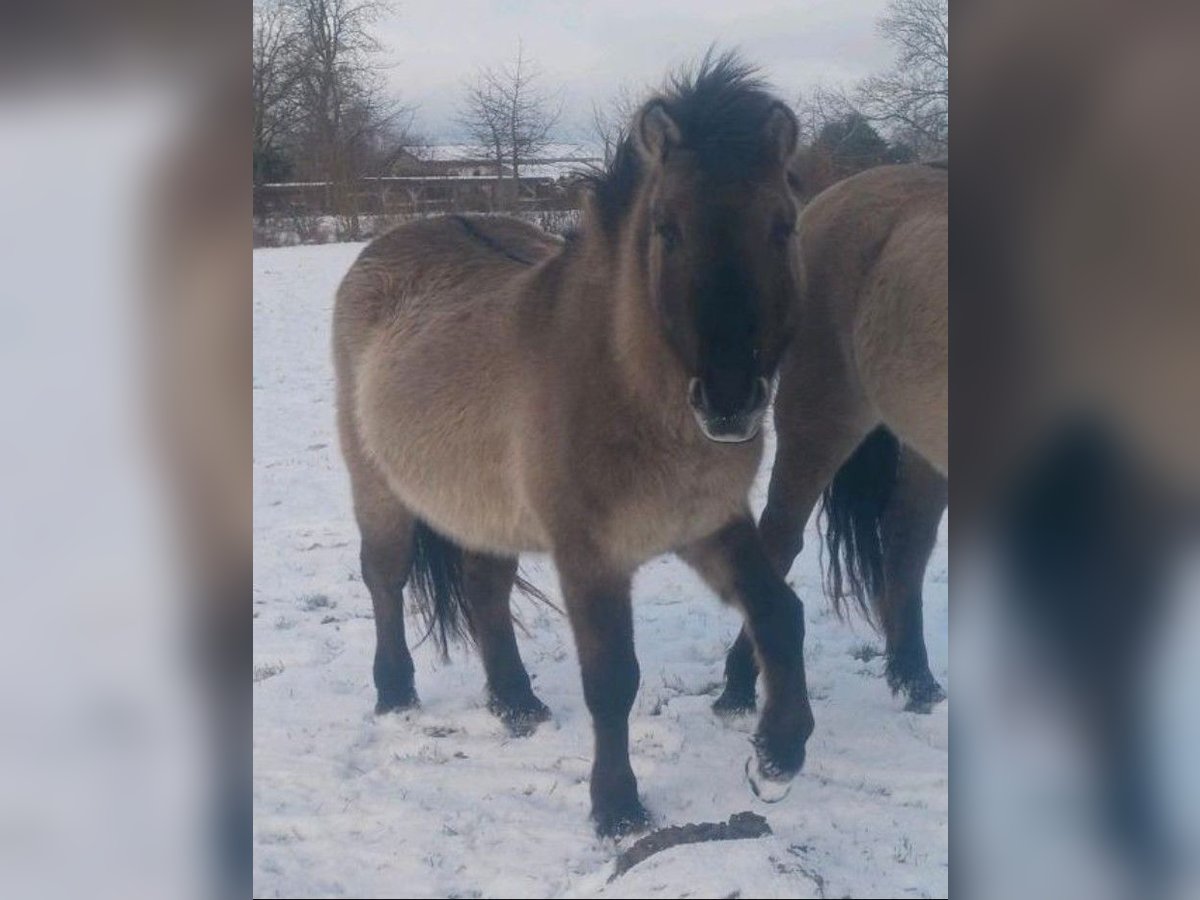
697, 396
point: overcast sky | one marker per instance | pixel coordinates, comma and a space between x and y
590, 47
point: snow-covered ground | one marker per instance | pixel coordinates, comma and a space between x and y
441, 802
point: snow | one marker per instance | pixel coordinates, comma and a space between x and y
442, 802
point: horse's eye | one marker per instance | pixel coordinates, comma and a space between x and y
669, 233
781, 232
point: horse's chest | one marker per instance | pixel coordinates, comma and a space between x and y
665, 507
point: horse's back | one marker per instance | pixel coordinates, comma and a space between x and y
490, 239
902, 337
875, 256
860, 212
440, 260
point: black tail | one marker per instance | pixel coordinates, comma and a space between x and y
436, 584
852, 508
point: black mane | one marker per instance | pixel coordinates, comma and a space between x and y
720, 107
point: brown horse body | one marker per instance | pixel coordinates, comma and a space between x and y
870, 351
501, 391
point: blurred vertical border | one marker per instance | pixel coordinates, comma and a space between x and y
1075, 437
125, 353
125, 489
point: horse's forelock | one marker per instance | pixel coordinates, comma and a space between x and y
721, 107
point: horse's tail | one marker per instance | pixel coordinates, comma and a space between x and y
436, 584
852, 508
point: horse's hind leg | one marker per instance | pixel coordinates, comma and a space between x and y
487, 585
386, 556
908, 530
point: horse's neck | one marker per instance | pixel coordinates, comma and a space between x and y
648, 366
609, 288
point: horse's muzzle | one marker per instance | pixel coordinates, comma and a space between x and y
730, 427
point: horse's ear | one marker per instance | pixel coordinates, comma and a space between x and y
783, 132
656, 131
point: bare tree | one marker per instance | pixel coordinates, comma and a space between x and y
912, 99
344, 116
612, 118
484, 114
819, 106
511, 114
273, 73
533, 110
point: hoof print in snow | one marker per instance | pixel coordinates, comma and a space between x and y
439, 731
741, 826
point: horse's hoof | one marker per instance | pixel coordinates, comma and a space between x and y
400, 702
922, 698
521, 719
731, 704
775, 764
618, 821
921, 689
766, 787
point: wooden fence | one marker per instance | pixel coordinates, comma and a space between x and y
408, 195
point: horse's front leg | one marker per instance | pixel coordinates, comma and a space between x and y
598, 605
734, 564
820, 418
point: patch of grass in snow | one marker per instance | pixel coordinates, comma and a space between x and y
313, 602
263, 671
865, 652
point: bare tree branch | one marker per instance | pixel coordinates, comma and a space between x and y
510, 114
612, 118
320, 89
913, 97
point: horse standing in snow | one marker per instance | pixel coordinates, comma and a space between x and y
871, 351
600, 399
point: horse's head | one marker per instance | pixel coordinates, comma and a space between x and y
717, 217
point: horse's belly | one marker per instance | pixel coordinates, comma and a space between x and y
452, 467
477, 513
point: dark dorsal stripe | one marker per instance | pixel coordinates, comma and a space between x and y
489, 242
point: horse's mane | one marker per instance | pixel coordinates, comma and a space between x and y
720, 107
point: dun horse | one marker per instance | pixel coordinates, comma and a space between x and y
500, 391
870, 352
